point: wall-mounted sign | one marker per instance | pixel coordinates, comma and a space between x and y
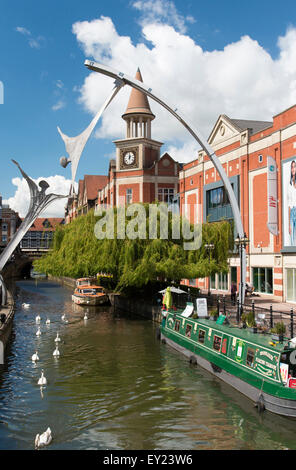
272, 198
289, 203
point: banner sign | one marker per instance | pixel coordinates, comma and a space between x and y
272, 199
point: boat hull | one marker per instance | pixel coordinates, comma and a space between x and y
89, 301
281, 406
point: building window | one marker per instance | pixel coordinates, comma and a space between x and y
222, 281
217, 198
188, 331
291, 285
177, 325
262, 280
129, 196
260, 158
217, 343
213, 281
250, 357
4, 238
4, 227
166, 194
192, 282
201, 336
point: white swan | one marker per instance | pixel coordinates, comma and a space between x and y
57, 338
25, 305
85, 317
35, 357
42, 380
63, 317
48, 321
43, 439
56, 352
38, 319
38, 332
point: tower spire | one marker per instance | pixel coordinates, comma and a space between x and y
138, 115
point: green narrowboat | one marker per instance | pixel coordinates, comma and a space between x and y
251, 363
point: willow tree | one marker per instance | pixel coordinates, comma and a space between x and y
150, 253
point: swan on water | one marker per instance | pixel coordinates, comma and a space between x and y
63, 317
25, 305
38, 332
42, 380
56, 351
44, 439
35, 357
38, 319
85, 317
48, 321
57, 338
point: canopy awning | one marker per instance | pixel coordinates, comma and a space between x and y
174, 290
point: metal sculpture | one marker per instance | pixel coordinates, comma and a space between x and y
110, 72
39, 200
75, 145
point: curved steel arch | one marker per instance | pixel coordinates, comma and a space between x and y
110, 72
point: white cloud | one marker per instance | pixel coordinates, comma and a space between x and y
161, 11
34, 43
59, 105
20, 201
242, 80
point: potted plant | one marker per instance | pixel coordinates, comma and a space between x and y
244, 320
214, 315
251, 323
278, 332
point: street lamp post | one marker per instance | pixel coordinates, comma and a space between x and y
209, 247
241, 243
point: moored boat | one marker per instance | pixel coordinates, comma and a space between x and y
254, 365
90, 295
85, 281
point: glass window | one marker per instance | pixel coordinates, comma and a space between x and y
177, 325
166, 194
263, 280
222, 281
291, 284
217, 343
213, 281
192, 282
129, 196
188, 331
250, 357
201, 336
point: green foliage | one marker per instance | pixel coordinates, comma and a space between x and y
250, 319
76, 252
279, 328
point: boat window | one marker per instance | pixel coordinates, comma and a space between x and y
177, 325
217, 343
201, 336
250, 357
188, 331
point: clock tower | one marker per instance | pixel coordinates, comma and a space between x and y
138, 150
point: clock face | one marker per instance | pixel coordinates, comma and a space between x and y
129, 158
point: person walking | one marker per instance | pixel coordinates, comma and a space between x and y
233, 292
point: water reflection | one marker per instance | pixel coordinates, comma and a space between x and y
115, 386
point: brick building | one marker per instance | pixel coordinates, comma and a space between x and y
139, 173
40, 235
9, 222
243, 148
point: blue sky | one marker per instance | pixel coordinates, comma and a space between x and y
45, 82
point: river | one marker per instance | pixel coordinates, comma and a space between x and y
115, 386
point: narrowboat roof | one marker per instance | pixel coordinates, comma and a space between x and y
242, 333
